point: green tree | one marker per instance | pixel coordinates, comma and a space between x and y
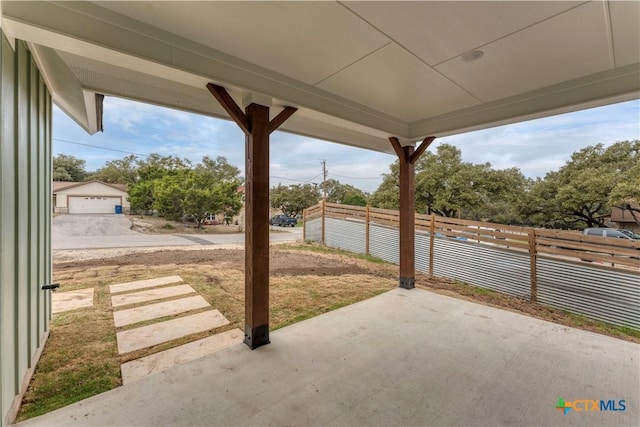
387, 195
142, 193
156, 166
357, 198
121, 171
203, 197
586, 187
218, 169
344, 193
294, 199
175, 190
447, 186
168, 193
503, 194
68, 168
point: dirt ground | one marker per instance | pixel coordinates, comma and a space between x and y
281, 262
313, 260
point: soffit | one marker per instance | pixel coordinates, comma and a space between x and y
358, 71
625, 25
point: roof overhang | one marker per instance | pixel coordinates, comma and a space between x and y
358, 72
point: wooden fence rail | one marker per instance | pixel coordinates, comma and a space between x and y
567, 245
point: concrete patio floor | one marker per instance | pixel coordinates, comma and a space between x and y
401, 358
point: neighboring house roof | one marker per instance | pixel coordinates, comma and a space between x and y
630, 214
65, 185
61, 185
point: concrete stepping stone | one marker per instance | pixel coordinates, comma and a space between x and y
142, 284
155, 311
147, 336
150, 295
136, 369
71, 300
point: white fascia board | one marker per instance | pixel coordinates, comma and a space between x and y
608, 87
90, 108
66, 90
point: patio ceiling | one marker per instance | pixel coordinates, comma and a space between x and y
358, 72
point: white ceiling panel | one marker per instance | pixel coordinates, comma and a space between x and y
438, 31
571, 45
357, 72
307, 41
393, 80
625, 23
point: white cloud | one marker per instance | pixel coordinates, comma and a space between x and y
536, 147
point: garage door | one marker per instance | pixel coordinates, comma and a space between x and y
93, 204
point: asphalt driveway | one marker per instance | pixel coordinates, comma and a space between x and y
94, 231
91, 225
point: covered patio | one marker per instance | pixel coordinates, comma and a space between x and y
383, 76
401, 358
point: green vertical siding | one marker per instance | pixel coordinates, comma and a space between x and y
25, 220
22, 208
8, 260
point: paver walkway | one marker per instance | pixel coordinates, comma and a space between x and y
155, 311
150, 295
154, 294
71, 300
137, 369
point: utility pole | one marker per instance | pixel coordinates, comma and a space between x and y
324, 180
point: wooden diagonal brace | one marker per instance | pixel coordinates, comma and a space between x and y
413, 158
230, 106
421, 149
397, 148
281, 118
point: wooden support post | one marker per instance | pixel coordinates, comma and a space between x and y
533, 269
366, 230
257, 229
407, 158
255, 123
432, 238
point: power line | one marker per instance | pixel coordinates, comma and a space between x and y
292, 179
356, 177
101, 148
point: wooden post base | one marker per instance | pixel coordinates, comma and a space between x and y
256, 337
407, 282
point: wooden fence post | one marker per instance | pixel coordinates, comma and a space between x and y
304, 226
323, 221
532, 257
432, 236
366, 230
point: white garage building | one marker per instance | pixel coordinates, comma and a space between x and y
89, 197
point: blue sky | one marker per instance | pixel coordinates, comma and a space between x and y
536, 146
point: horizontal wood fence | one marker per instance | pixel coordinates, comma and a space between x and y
546, 266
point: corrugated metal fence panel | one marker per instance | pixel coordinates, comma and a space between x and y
345, 234
483, 266
599, 293
313, 230
384, 243
422, 252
